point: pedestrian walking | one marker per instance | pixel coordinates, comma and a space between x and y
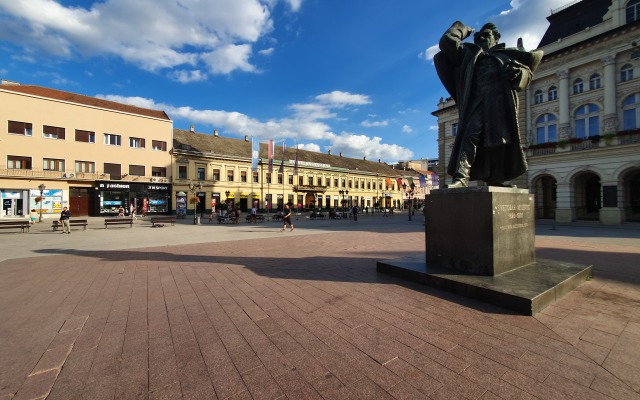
65, 215
286, 217
355, 212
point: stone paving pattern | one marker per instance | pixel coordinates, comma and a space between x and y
304, 315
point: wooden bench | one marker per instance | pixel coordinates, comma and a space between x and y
259, 218
161, 220
22, 224
118, 221
55, 225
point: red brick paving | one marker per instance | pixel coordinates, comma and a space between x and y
307, 317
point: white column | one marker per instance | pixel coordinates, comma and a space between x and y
564, 124
610, 117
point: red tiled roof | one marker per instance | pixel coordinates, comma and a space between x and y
85, 100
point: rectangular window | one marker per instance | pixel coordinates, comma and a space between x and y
52, 164
280, 179
18, 162
268, 177
182, 172
629, 119
290, 179
255, 177
85, 136
158, 171
552, 133
335, 182
86, 167
580, 128
114, 170
112, 140
136, 143
20, 128
215, 175
310, 180
594, 126
300, 180
53, 132
344, 183
200, 173
243, 176
136, 170
230, 176
454, 129
159, 145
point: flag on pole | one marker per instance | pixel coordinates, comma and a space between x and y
410, 181
270, 155
255, 154
295, 164
399, 182
423, 181
281, 170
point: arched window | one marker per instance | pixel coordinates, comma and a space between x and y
578, 86
631, 112
594, 81
626, 72
587, 121
546, 129
633, 11
538, 97
553, 93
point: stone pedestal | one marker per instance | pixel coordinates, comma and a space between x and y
481, 244
482, 230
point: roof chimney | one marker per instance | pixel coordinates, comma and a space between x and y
340, 154
329, 152
246, 138
364, 158
191, 129
215, 132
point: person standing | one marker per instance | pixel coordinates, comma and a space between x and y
483, 78
286, 217
65, 215
254, 214
355, 212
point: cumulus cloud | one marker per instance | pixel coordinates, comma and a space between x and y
407, 129
373, 124
306, 125
152, 34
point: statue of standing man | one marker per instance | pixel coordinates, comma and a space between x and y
483, 78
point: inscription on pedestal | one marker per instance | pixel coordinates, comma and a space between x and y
485, 231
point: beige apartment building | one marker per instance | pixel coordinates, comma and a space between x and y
580, 116
92, 155
218, 170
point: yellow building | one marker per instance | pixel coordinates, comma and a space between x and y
218, 170
89, 154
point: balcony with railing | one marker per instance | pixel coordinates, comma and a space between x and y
49, 174
622, 138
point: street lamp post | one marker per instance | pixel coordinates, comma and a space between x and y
409, 193
42, 187
192, 188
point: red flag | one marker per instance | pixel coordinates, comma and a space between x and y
270, 151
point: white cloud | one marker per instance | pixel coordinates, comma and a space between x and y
151, 34
373, 124
304, 125
526, 19
266, 52
188, 76
407, 129
342, 99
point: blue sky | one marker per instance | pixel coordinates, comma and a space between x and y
353, 76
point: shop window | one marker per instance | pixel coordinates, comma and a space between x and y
18, 162
53, 132
159, 171
136, 170
182, 172
594, 82
112, 140
215, 175
578, 86
52, 164
86, 167
136, 143
626, 73
20, 128
85, 136
158, 145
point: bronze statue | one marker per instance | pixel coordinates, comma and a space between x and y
483, 78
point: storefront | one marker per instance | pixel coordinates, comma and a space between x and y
143, 198
19, 202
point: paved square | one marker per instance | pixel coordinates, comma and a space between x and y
248, 312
